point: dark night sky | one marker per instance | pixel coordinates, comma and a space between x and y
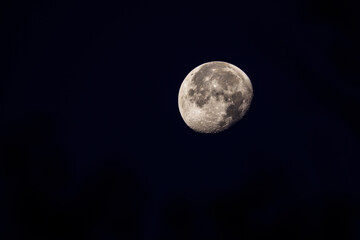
92, 145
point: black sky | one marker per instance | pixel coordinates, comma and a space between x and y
92, 145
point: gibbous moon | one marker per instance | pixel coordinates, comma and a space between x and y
214, 96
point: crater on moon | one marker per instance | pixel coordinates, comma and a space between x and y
214, 96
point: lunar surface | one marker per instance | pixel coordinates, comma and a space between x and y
214, 96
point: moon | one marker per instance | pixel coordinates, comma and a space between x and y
214, 96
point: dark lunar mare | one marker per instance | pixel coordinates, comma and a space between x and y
201, 93
233, 111
198, 95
